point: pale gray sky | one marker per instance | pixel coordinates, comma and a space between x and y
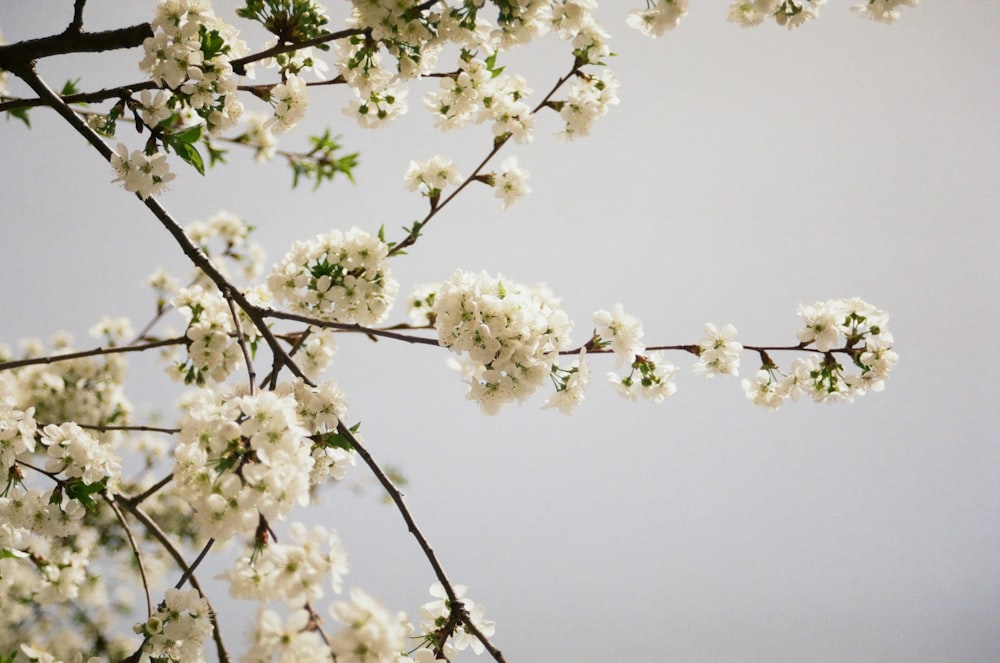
744, 172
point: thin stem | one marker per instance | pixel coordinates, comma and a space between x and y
135, 551
344, 327
94, 352
152, 490
397, 498
242, 341
172, 550
498, 143
189, 571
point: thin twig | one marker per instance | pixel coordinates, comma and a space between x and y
411, 239
154, 529
242, 341
345, 327
397, 497
94, 352
135, 551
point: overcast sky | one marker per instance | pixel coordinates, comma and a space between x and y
744, 172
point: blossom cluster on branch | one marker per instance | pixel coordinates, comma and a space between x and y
90, 499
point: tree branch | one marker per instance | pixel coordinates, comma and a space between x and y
20, 56
95, 352
397, 498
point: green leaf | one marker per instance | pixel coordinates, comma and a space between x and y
190, 154
84, 492
188, 136
70, 87
21, 114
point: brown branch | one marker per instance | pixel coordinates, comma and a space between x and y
135, 550
397, 498
95, 352
498, 143
345, 327
172, 550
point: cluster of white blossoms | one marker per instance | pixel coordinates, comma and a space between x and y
371, 634
240, 458
76, 454
178, 629
436, 614
649, 376
290, 99
340, 277
718, 352
291, 572
432, 176
189, 53
213, 350
511, 183
660, 16
787, 13
589, 98
140, 173
510, 335
87, 390
851, 327
237, 247
884, 11
245, 456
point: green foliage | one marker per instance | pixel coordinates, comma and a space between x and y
321, 162
21, 114
182, 142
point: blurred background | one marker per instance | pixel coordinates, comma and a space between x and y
744, 172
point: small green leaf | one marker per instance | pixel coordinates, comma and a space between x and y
21, 114
190, 154
69, 87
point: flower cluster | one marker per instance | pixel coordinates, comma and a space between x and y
650, 377
432, 176
142, 174
658, 18
87, 390
291, 572
371, 634
622, 331
341, 277
213, 350
292, 639
511, 182
237, 247
76, 454
867, 342
718, 352
189, 53
884, 11
290, 99
590, 97
420, 304
179, 627
437, 613
241, 457
570, 384
787, 13
510, 334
